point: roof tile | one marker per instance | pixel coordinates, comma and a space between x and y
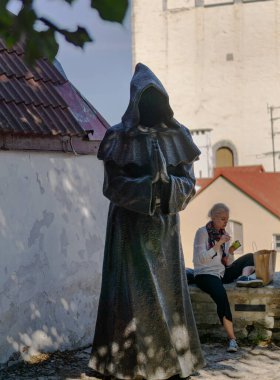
261, 186
41, 101
30, 91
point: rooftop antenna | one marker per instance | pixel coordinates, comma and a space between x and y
270, 110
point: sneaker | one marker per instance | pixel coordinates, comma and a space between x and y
232, 346
249, 281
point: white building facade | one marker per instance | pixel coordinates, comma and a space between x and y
204, 166
220, 63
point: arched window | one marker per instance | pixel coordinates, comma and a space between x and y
224, 154
224, 157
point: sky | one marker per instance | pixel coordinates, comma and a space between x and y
102, 70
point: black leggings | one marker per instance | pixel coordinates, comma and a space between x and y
213, 285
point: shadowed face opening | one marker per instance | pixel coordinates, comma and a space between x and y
152, 107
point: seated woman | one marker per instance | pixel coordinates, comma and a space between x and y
214, 265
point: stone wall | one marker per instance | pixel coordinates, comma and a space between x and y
52, 227
256, 313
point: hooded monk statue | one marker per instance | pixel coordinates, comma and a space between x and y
145, 327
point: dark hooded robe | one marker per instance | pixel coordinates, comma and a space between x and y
145, 325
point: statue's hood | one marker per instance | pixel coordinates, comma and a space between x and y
129, 143
142, 79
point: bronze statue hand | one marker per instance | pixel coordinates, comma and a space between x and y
162, 167
155, 162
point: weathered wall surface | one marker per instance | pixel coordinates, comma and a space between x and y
220, 65
258, 224
52, 228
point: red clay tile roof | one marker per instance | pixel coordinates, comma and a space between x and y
240, 169
263, 187
203, 182
41, 101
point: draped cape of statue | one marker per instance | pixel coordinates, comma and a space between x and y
145, 325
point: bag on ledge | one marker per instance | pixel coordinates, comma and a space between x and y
265, 261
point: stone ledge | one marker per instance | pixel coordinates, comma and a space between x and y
255, 311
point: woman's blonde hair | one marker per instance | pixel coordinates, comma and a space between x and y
217, 208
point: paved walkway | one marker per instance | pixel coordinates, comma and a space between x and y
259, 363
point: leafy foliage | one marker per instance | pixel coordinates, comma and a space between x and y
110, 10
43, 43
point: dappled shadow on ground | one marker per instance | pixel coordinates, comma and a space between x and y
55, 366
250, 363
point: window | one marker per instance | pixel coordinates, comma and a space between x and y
235, 230
276, 242
213, 3
224, 157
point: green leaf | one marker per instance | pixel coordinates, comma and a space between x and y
10, 40
78, 37
3, 5
50, 46
111, 10
6, 20
25, 20
43, 44
40, 44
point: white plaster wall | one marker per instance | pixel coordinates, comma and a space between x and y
203, 168
220, 66
259, 225
149, 35
52, 229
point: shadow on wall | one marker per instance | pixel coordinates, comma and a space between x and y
52, 228
50, 322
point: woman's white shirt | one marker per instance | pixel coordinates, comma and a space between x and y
207, 261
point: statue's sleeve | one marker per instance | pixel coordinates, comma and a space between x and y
176, 194
133, 193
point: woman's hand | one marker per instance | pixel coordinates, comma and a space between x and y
224, 239
231, 250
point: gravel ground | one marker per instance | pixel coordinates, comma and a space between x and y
249, 363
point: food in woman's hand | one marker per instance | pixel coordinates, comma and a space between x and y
236, 244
